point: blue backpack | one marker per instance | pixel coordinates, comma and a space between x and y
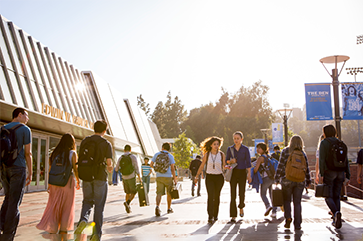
60, 171
270, 166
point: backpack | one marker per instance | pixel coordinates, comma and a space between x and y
9, 145
194, 166
60, 171
126, 166
162, 162
269, 166
337, 156
295, 169
88, 159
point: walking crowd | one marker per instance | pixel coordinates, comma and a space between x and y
289, 169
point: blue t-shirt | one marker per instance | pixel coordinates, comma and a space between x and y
23, 137
242, 156
171, 161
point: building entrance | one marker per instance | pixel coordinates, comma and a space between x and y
40, 147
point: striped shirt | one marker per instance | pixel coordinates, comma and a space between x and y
146, 169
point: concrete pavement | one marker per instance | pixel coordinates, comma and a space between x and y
189, 220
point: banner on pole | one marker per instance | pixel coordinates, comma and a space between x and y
318, 102
352, 99
277, 133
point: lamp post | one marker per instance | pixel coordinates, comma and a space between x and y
265, 132
285, 115
355, 71
335, 60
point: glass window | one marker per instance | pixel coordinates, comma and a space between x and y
62, 85
45, 97
16, 89
27, 93
35, 161
74, 89
4, 86
42, 165
38, 101
69, 88
23, 54
30, 55
13, 49
4, 50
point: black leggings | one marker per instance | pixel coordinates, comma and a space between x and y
214, 184
239, 177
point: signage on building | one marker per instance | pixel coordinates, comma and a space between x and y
318, 102
63, 115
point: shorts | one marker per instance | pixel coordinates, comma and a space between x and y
162, 183
130, 185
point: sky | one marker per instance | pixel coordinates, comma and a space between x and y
195, 48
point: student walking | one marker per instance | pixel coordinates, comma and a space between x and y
266, 180
94, 176
214, 160
13, 172
146, 172
317, 173
333, 173
129, 167
58, 216
163, 163
238, 153
294, 174
194, 167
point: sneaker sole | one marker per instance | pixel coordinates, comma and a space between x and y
268, 211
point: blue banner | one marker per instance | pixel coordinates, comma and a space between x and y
277, 133
318, 102
352, 99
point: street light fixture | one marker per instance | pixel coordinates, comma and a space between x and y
335, 60
285, 115
360, 39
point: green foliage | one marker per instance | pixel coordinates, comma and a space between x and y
169, 116
143, 105
182, 150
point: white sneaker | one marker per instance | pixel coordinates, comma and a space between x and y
268, 210
273, 215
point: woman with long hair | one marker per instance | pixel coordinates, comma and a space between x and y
239, 154
291, 188
214, 160
58, 216
266, 180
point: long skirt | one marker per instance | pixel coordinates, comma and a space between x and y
59, 213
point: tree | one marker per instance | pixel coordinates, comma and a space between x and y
182, 150
169, 117
143, 105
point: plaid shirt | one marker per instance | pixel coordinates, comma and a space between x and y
280, 172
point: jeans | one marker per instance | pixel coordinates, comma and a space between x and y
193, 184
13, 180
94, 194
214, 184
146, 181
334, 180
294, 189
267, 184
116, 176
239, 176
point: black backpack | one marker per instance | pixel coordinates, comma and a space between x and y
194, 166
88, 159
162, 163
60, 171
9, 145
126, 166
337, 156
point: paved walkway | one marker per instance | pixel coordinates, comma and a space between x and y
189, 220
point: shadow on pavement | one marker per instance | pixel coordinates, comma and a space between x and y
122, 229
184, 200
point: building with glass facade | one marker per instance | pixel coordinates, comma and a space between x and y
60, 99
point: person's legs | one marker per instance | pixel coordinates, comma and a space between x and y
169, 188
287, 192
88, 200
297, 190
100, 195
329, 179
147, 182
264, 186
193, 184
199, 182
209, 183
15, 184
219, 182
242, 178
233, 186
337, 186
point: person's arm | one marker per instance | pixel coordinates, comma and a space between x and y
307, 175
360, 166
136, 167
229, 156
200, 170
260, 160
248, 165
323, 150
109, 165
75, 169
173, 173
28, 158
223, 161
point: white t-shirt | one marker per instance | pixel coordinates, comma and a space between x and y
214, 164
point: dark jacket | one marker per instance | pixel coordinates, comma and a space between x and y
194, 166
